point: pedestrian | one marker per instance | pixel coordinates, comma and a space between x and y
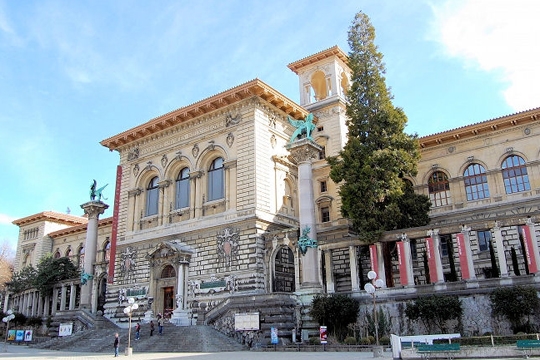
116, 344
160, 324
151, 328
137, 331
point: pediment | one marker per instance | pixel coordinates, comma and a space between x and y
172, 248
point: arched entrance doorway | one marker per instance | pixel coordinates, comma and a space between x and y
284, 274
167, 278
102, 292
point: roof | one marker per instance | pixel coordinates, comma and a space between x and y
485, 127
61, 218
321, 55
79, 228
249, 89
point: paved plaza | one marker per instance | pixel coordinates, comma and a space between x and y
24, 352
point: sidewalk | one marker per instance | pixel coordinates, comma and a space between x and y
24, 352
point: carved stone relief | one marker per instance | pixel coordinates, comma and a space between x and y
128, 263
133, 154
136, 170
195, 151
227, 246
232, 120
230, 139
164, 160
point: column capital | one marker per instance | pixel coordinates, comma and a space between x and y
304, 150
94, 208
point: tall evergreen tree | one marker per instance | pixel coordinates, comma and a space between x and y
378, 152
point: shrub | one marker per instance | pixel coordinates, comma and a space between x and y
365, 341
385, 340
314, 341
350, 340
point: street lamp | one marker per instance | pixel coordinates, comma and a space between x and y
128, 310
10, 316
370, 288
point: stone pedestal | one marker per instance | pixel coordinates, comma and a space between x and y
93, 209
181, 317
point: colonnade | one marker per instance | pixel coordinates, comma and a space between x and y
31, 304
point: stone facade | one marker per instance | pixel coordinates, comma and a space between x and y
210, 205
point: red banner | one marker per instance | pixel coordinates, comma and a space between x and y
114, 232
373, 258
430, 252
463, 260
403, 268
529, 248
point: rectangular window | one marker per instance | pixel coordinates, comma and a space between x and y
325, 214
414, 250
484, 239
322, 153
444, 244
324, 187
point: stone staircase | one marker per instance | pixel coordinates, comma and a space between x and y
198, 338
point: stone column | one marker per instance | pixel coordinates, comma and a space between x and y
93, 209
499, 246
181, 315
353, 263
302, 153
6, 303
405, 261
46, 306
63, 298
54, 301
72, 294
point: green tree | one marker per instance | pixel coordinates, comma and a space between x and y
22, 280
516, 304
50, 271
334, 311
378, 153
435, 311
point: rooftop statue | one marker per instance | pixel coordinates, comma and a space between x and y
94, 192
305, 126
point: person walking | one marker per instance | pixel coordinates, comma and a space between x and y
151, 328
160, 324
137, 331
116, 344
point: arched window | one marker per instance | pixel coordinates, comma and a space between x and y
152, 197
439, 189
476, 185
57, 254
515, 175
168, 272
182, 189
107, 251
216, 180
284, 273
81, 257
69, 252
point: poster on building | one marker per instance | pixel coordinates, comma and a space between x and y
246, 321
11, 335
27, 335
65, 329
323, 334
274, 335
19, 336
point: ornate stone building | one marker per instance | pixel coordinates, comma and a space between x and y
219, 210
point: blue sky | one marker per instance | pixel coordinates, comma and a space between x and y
73, 73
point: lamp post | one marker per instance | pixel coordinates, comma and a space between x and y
371, 287
10, 316
128, 310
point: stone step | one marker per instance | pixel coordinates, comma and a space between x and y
198, 338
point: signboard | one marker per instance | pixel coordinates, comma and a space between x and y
463, 260
323, 334
432, 264
19, 335
403, 269
246, 321
11, 335
529, 249
65, 329
28, 335
274, 335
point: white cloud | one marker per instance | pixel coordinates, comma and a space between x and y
496, 36
6, 219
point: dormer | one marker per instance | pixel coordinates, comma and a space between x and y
322, 76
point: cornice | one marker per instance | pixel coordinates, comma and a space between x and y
321, 55
79, 228
479, 129
249, 89
53, 216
